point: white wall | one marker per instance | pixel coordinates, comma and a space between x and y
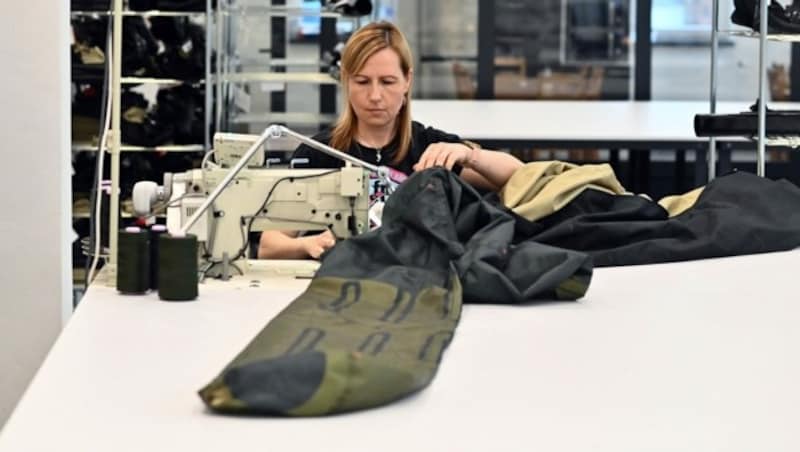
35, 274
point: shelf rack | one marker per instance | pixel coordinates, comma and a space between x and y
763, 37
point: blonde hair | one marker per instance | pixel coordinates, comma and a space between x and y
365, 42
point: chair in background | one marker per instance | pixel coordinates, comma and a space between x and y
465, 83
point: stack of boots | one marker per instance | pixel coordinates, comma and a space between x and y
139, 49
140, 126
184, 55
182, 106
87, 54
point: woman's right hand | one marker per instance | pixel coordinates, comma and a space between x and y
317, 244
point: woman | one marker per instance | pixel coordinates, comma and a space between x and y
376, 127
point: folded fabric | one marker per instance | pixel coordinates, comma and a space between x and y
739, 213
677, 204
373, 324
540, 188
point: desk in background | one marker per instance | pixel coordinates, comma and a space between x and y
639, 126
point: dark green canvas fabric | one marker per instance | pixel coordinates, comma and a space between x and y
374, 323
343, 345
736, 214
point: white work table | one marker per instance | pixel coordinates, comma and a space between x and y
692, 356
652, 124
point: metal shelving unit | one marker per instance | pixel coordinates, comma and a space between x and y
117, 82
763, 37
206, 80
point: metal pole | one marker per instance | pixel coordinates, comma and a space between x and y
116, 136
562, 47
208, 86
762, 88
712, 142
218, 75
486, 40
643, 64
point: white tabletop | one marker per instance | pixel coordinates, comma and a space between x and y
573, 121
692, 356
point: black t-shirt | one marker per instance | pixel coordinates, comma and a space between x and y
421, 137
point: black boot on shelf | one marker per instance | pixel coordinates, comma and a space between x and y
781, 20
744, 12
90, 30
140, 125
145, 130
353, 8
171, 31
183, 107
87, 53
184, 50
139, 48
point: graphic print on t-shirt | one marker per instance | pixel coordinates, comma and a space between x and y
379, 192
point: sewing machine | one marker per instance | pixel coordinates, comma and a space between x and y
256, 199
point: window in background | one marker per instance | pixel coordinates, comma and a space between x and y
443, 35
564, 49
682, 57
544, 49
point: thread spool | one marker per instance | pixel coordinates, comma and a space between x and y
155, 231
177, 267
133, 261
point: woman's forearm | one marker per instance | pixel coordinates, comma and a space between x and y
494, 166
280, 245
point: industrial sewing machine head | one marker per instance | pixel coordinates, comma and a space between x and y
255, 198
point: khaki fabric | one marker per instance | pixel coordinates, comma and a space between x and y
134, 115
677, 204
89, 55
539, 189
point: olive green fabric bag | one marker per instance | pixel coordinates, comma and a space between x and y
374, 322
340, 347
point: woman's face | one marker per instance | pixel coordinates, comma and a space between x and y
378, 89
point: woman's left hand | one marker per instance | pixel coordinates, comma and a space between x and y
446, 155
